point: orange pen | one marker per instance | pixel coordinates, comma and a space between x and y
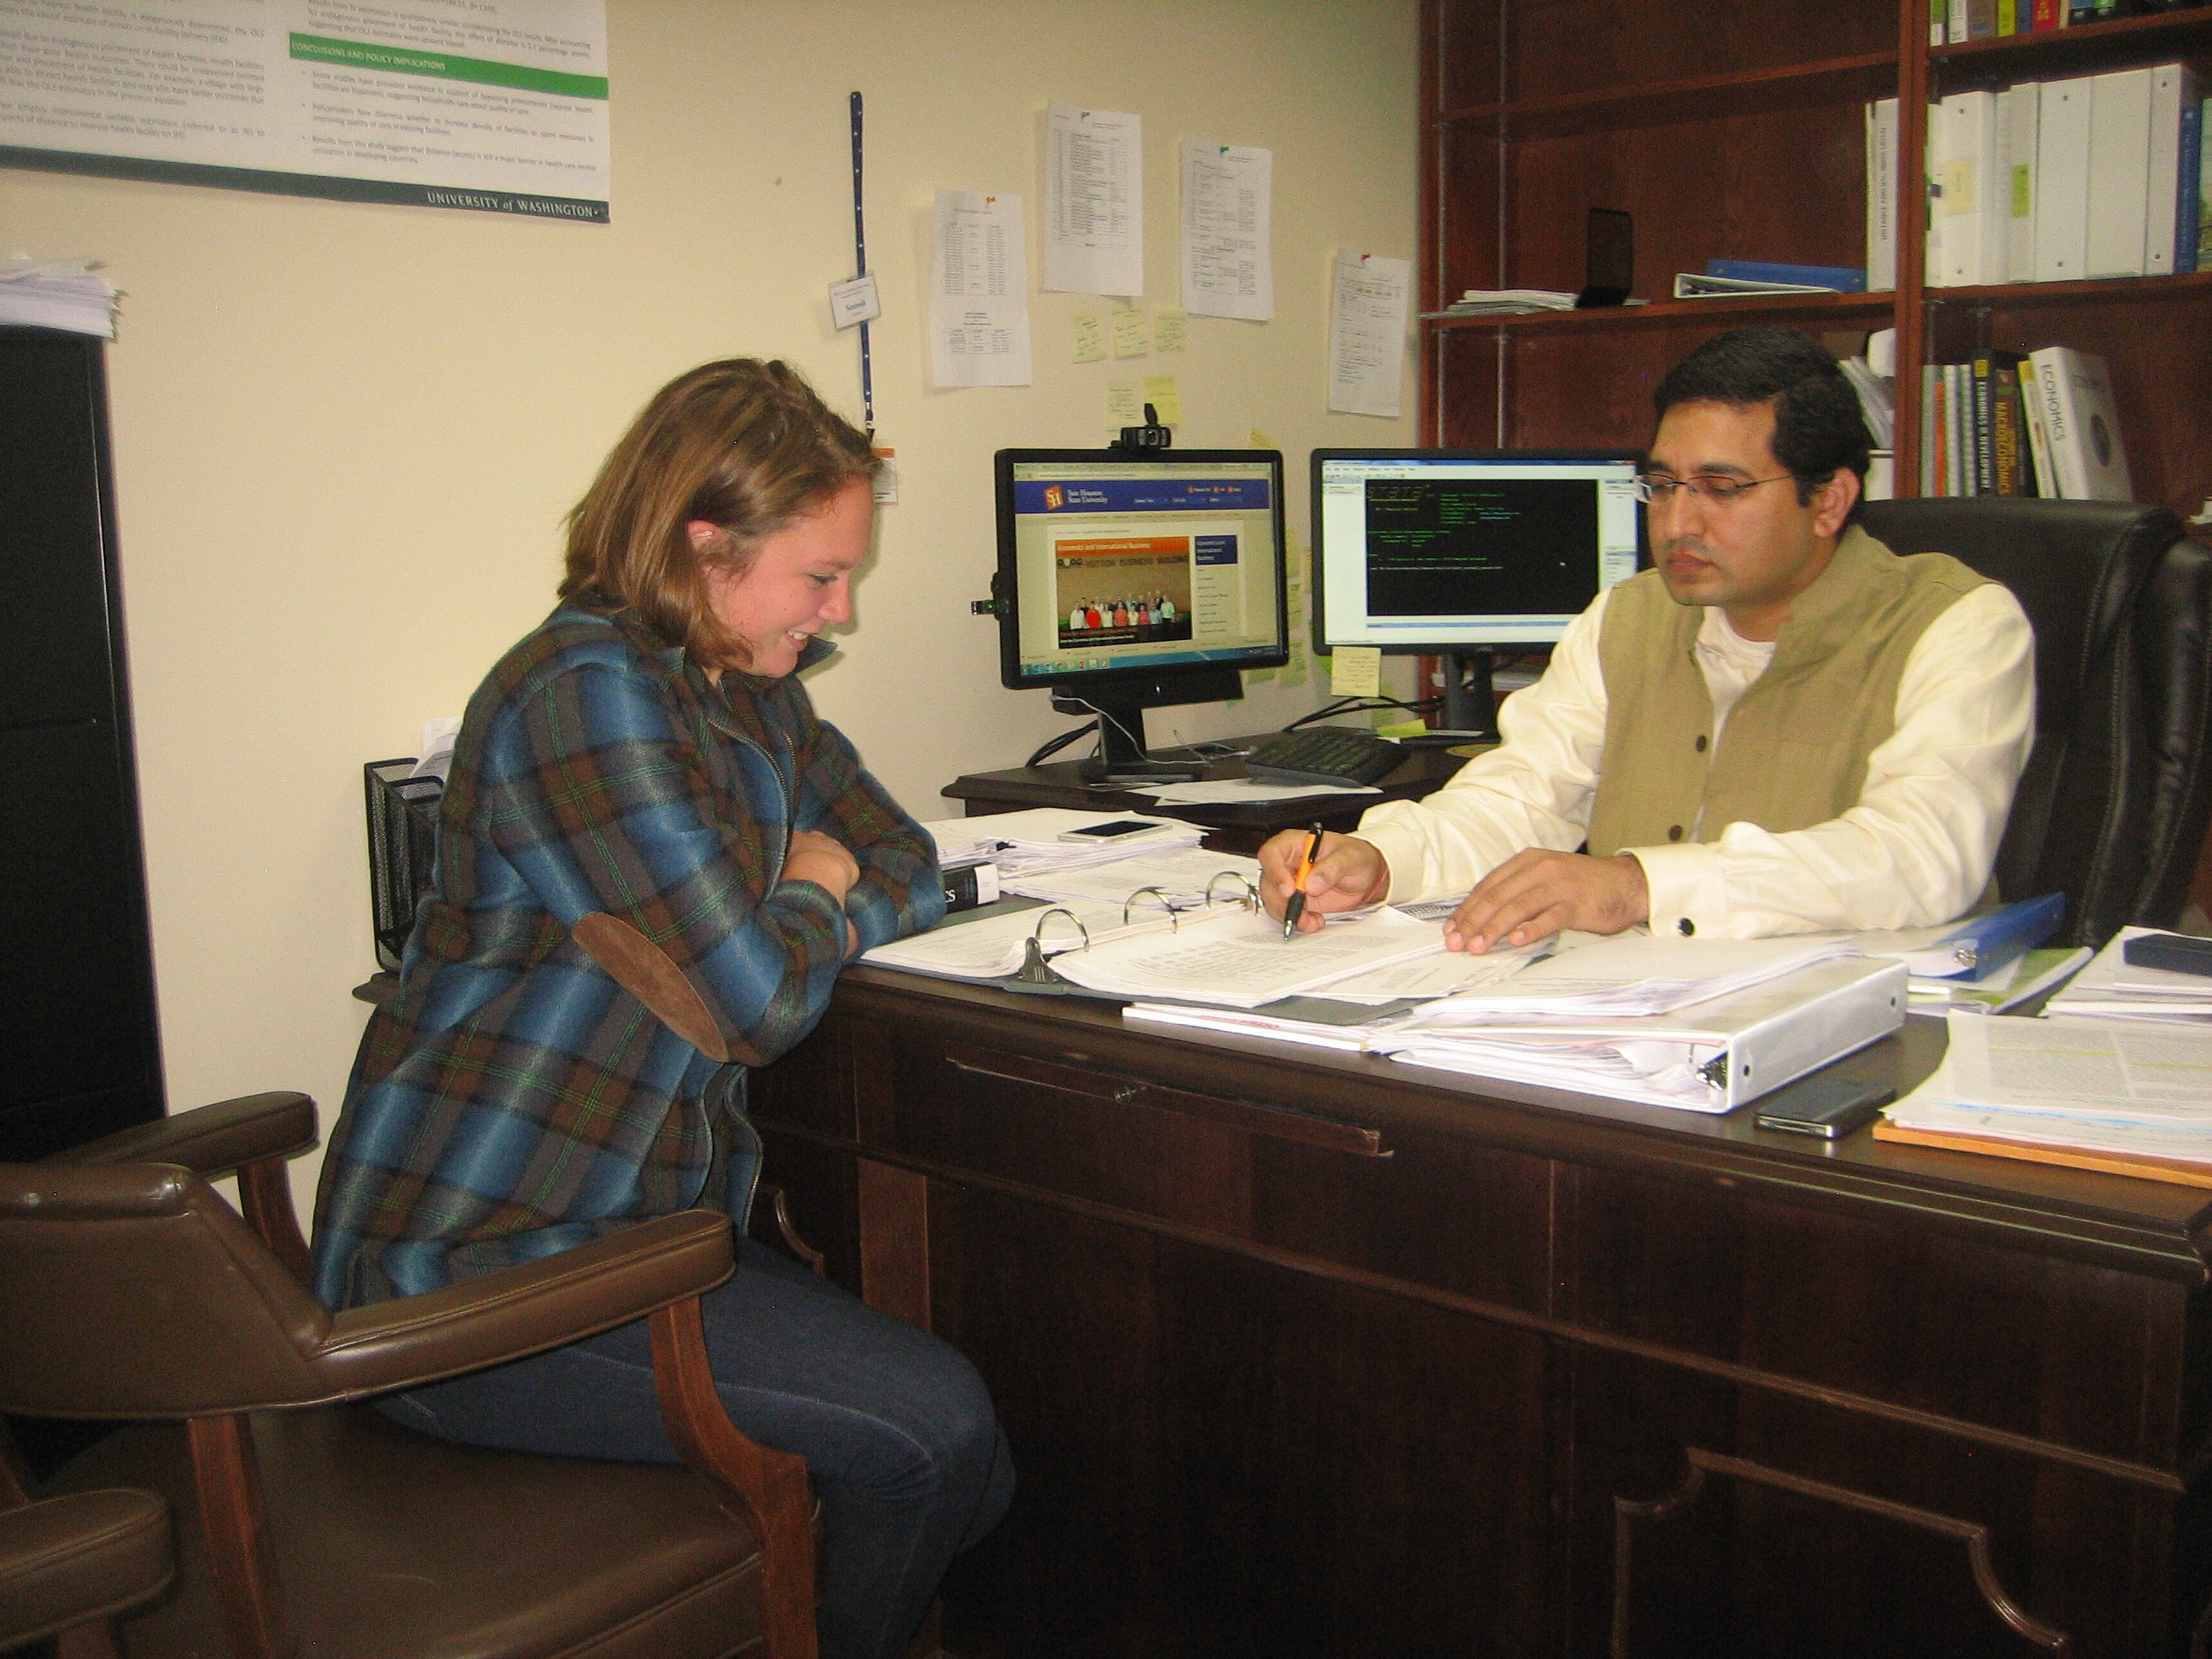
1297, 905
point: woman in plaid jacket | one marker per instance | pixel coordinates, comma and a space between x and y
641, 796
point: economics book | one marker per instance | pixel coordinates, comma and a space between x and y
2088, 460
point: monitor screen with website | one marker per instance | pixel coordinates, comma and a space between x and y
1462, 552
1129, 581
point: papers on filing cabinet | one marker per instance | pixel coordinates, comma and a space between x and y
2111, 988
1634, 975
1240, 960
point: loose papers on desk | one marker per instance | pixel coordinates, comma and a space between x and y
2069, 1090
1024, 843
1634, 974
1711, 1055
992, 947
2111, 988
1241, 960
1180, 878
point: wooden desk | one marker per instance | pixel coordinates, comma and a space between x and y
1309, 1354
1232, 829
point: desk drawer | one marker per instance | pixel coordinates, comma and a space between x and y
1443, 1215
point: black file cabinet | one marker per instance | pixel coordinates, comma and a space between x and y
79, 1048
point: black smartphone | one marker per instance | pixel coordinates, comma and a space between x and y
1829, 1107
2178, 953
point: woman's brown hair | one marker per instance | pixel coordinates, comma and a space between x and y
741, 443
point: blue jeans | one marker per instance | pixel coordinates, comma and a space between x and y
904, 1452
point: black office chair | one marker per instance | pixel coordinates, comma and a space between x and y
2113, 805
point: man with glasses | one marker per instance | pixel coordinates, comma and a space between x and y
1782, 727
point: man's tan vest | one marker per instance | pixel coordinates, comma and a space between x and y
1795, 751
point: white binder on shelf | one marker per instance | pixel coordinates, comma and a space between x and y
2020, 109
2062, 180
2172, 87
2119, 173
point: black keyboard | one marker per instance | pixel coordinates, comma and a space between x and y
1324, 754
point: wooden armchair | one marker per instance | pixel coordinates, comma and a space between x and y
307, 1522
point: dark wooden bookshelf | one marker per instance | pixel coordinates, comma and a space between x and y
1735, 130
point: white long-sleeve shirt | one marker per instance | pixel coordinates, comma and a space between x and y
1916, 849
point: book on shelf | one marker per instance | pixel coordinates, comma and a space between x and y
2082, 428
1882, 194
2189, 183
2204, 186
1978, 433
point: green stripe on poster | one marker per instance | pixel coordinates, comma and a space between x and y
406, 60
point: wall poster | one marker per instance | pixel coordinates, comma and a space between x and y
494, 105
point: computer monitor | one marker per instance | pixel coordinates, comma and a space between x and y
1461, 552
1130, 580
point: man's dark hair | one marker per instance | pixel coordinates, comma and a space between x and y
1818, 427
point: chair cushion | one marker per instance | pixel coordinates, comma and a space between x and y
79, 1558
393, 1543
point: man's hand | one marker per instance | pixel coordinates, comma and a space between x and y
1349, 874
823, 860
1535, 893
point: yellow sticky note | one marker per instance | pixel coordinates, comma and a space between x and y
1090, 337
1356, 670
1167, 402
1259, 439
1170, 329
1132, 332
1124, 404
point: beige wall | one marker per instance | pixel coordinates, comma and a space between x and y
344, 434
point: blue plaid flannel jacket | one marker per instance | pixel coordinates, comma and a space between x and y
512, 1101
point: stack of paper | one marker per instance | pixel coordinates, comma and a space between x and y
1505, 303
2110, 988
1240, 960
1028, 843
1630, 977
1709, 1056
57, 294
2107, 1094
1183, 878
1797, 1005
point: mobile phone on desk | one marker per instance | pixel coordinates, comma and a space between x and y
1828, 1106
2177, 953
1093, 834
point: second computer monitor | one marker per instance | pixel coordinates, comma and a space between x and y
1461, 552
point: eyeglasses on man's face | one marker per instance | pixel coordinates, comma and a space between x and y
1657, 488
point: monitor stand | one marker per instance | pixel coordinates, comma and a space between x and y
1470, 706
1122, 757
